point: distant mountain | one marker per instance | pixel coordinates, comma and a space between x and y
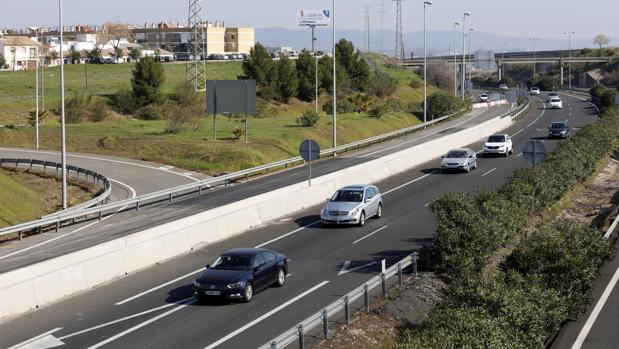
438, 42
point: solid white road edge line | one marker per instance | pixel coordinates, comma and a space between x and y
182, 301
158, 287
488, 172
100, 159
74, 231
33, 339
345, 269
264, 316
140, 325
584, 332
370, 234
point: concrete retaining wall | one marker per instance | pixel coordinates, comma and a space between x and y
46, 282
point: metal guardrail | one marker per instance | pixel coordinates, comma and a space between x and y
57, 220
79, 174
319, 318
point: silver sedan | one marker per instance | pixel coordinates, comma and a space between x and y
353, 205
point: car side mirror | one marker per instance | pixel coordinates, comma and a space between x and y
328, 200
442, 157
208, 266
367, 200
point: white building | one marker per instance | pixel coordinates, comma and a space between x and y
19, 52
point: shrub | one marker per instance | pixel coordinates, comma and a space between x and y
443, 103
377, 110
124, 102
43, 116
308, 119
264, 109
382, 85
395, 105
99, 110
238, 132
181, 118
147, 80
343, 106
152, 112
416, 83
77, 107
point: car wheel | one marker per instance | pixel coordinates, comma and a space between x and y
361, 219
281, 277
511, 151
248, 293
379, 210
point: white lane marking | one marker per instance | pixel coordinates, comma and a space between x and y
158, 287
133, 193
422, 137
44, 340
487, 173
182, 301
287, 234
408, 183
370, 234
74, 231
101, 159
515, 134
345, 269
584, 332
140, 325
532, 122
264, 316
519, 155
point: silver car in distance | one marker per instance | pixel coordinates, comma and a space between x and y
353, 205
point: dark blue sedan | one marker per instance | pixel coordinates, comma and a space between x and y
240, 273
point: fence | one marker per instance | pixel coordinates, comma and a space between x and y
297, 333
56, 221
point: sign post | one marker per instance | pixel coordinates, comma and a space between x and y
534, 152
312, 19
310, 151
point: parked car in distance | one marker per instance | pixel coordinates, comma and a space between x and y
483, 97
555, 103
498, 144
503, 87
552, 95
353, 204
240, 273
534, 91
558, 130
463, 159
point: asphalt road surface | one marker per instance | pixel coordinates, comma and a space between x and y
154, 308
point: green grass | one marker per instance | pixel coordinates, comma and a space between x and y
18, 203
103, 79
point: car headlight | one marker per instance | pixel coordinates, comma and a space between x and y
235, 285
196, 283
322, 212
354, 212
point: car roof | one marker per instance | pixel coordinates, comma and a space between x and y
499, 134
245, 251
534, 88
356, 187
460, 149
559, 123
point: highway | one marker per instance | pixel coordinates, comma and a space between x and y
41, 247
154, 308
129, 177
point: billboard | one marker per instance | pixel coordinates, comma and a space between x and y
318, 18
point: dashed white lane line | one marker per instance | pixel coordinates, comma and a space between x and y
487, 173
158, 287
515, 134
408, 183
370, 234
133, 194
103, 159
532, 122
287, 234
264, 316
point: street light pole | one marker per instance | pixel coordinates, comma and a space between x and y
463, 51
315, 67
569, 38
425, 64
455, 62
471, 30
534, 39
36, 110
334, 81
62, 118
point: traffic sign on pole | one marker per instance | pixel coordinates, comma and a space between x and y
310, 151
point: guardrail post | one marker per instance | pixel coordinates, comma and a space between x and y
400, 274
383, 283
100, 215
20, 235
325, 323
415, 258
170, 200
200, 189
366, 297
273, 345
226, 183
301, 337
346, 310
137, 206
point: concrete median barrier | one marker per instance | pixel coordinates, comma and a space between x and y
40, 284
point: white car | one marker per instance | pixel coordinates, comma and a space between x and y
535, 91
463, 159
552, 95
498, 144
483, 97
555, 103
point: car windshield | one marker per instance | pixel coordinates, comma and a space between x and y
232, 262
347, 196
496, 139
484, 95
456, 154
555, 100
557, 125
534, 89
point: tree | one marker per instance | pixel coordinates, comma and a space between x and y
287, 82
306, 68
52, 56
94, 54
325, 74
75, 56
353, 72
601, 40
442, 103
441, 76
2, 61
257, 65
382, 85
114, 33
135, 54
147, 81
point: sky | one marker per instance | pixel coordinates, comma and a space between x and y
521, 18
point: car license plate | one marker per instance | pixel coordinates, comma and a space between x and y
212, 293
